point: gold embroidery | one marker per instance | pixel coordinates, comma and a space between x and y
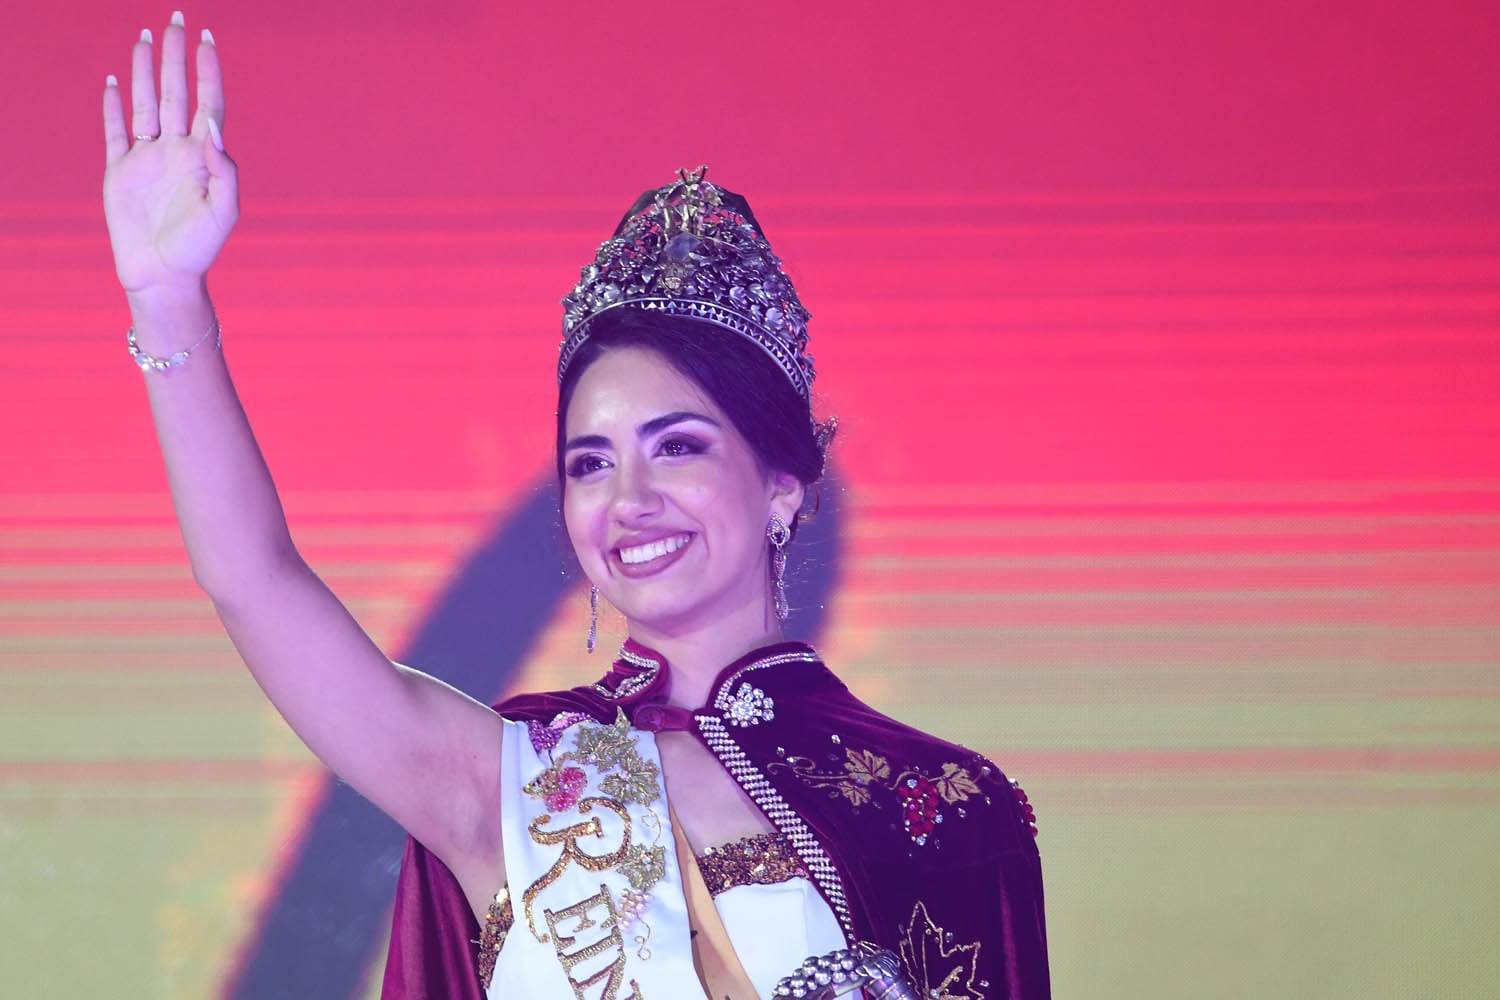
955, 784
863, 768
917, 794
939, 969
644, 866
612, 974
571, 853
497, 924
635, 779
624, 776
580, 912
604, 746
764, 859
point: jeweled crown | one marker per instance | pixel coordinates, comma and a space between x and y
694, 249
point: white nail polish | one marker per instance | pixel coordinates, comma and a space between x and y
146, 35
177, 18
110, 81
208, 36
216, 135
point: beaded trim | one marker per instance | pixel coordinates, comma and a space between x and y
637, 660
781, 815
497, 924
764, 859
632, 685
1028, 814
726, 693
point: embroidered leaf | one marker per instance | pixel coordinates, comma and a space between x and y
603, 746
955, 784
862, 770
634, 779
865, 767
644, 866
856, 793
938, 966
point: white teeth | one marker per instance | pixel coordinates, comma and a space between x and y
653, 550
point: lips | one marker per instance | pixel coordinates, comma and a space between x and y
636, 562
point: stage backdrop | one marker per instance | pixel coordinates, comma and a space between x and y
1164, 345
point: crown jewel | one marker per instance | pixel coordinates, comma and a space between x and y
694, 249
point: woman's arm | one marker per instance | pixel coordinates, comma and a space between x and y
420, 750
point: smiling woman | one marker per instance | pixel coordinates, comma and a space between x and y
716, 815
790, 820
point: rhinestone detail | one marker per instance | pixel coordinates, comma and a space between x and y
749, 707
781, 815
632, 685
727, 691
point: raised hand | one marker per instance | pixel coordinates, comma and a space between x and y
171, 195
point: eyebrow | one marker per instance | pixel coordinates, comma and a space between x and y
653, 426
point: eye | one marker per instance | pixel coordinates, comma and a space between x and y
584, 464
679, 445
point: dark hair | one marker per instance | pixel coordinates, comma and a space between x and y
733, 372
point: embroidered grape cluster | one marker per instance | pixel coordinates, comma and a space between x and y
919, 807
570, 784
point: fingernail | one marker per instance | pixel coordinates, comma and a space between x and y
208, 36
215, 134
146, 35
177, 18
110, 81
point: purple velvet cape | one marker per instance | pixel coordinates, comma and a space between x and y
919, 845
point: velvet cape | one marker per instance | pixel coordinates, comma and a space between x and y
919, 845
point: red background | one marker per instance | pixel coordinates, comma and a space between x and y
1164, 343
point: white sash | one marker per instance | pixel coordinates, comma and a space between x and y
590, 861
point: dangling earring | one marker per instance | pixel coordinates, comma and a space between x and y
778, 534
593, 616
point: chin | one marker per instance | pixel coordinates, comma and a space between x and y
668, 612
665, 617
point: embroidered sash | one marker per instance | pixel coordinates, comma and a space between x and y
592, 865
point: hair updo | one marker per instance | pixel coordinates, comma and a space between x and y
742, 382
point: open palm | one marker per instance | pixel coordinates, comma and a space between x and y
170, 201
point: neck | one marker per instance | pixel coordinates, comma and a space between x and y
697, 655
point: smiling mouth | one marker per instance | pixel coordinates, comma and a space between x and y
639, 554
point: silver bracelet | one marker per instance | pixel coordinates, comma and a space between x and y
152, 363
865, 966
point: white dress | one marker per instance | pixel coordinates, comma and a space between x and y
775, 927
597, 889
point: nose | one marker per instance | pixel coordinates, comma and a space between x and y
634, 495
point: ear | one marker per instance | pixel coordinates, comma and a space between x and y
787, 494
